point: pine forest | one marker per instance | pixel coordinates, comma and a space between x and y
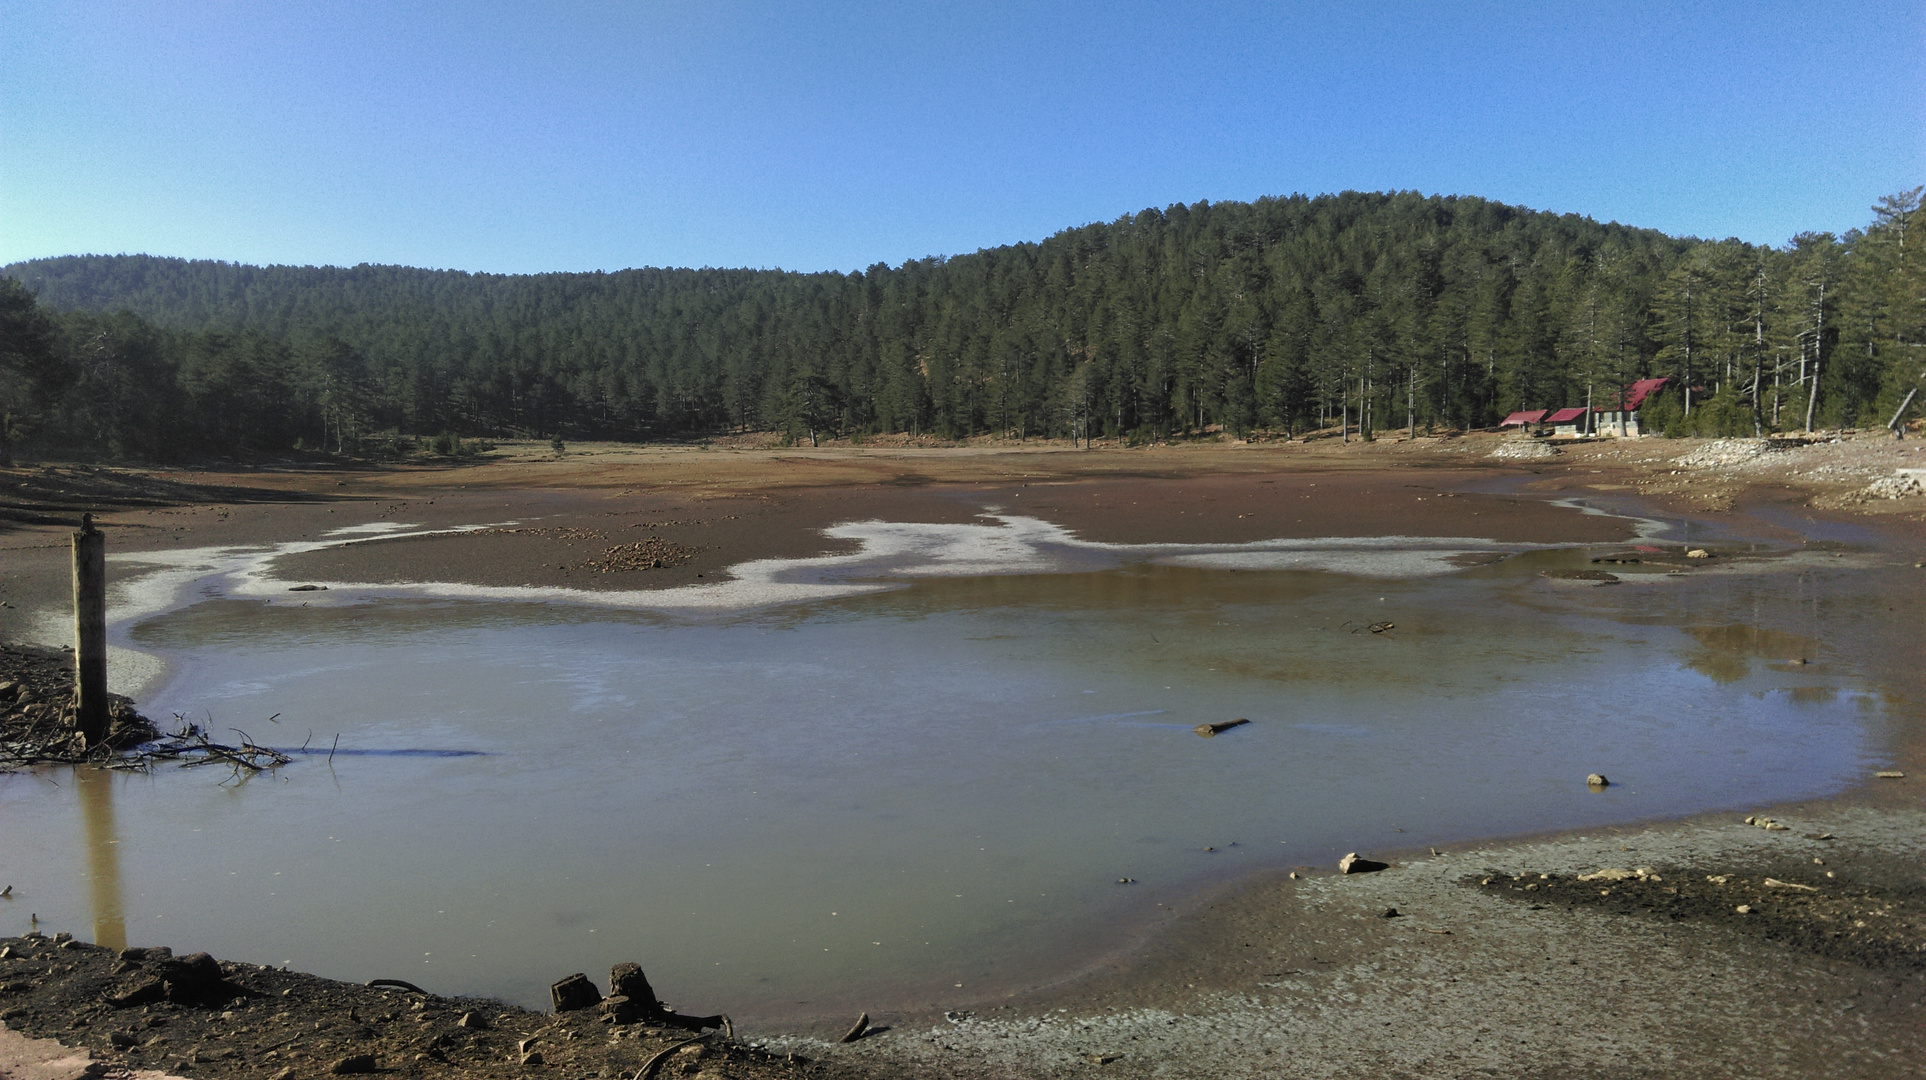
1280, 317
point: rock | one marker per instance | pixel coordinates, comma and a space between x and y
1210, 730
145, 993
1698, 553
353, 1065
626, 980
1597, 780
1614, 873
1743, 909
857, 1030
309, 588
618, 1008
1775, 883
1358, 864
1391, 913
574, 992
474, 1021
1890, 774
193, 971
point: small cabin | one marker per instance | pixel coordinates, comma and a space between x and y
1622, 419
1525, 421
1567, 423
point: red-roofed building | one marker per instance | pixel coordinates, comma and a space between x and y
1567, 423
1526, 419
1622, 418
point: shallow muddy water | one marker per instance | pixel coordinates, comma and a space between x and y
921, 796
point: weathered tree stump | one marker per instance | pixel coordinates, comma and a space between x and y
574, 992
626, 980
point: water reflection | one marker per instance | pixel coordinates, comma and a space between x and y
808, 810
96, 791
1725, 653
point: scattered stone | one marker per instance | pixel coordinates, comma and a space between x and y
574, 992
1643, 873
1525, 450
1597, 780
1358, 864
1721, 452
1898, 486
353, 1065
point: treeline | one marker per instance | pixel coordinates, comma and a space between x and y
1286, 314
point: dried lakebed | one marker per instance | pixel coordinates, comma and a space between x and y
796, 812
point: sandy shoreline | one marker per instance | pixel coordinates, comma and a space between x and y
1384, 996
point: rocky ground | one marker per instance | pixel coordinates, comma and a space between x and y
37, 714
1515, 960
144, 1009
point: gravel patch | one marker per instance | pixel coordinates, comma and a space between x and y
1475, 979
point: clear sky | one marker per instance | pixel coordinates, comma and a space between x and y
519, 136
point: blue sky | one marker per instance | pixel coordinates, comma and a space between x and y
520, 137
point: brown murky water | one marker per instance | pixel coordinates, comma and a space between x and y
922, 796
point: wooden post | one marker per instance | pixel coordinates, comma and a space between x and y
90, 632
1899, 429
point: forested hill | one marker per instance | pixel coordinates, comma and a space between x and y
1283, 313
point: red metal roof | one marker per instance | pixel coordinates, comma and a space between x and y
1518, 418
1565, 416
1636, 394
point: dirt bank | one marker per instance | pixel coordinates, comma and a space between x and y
198, 1017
